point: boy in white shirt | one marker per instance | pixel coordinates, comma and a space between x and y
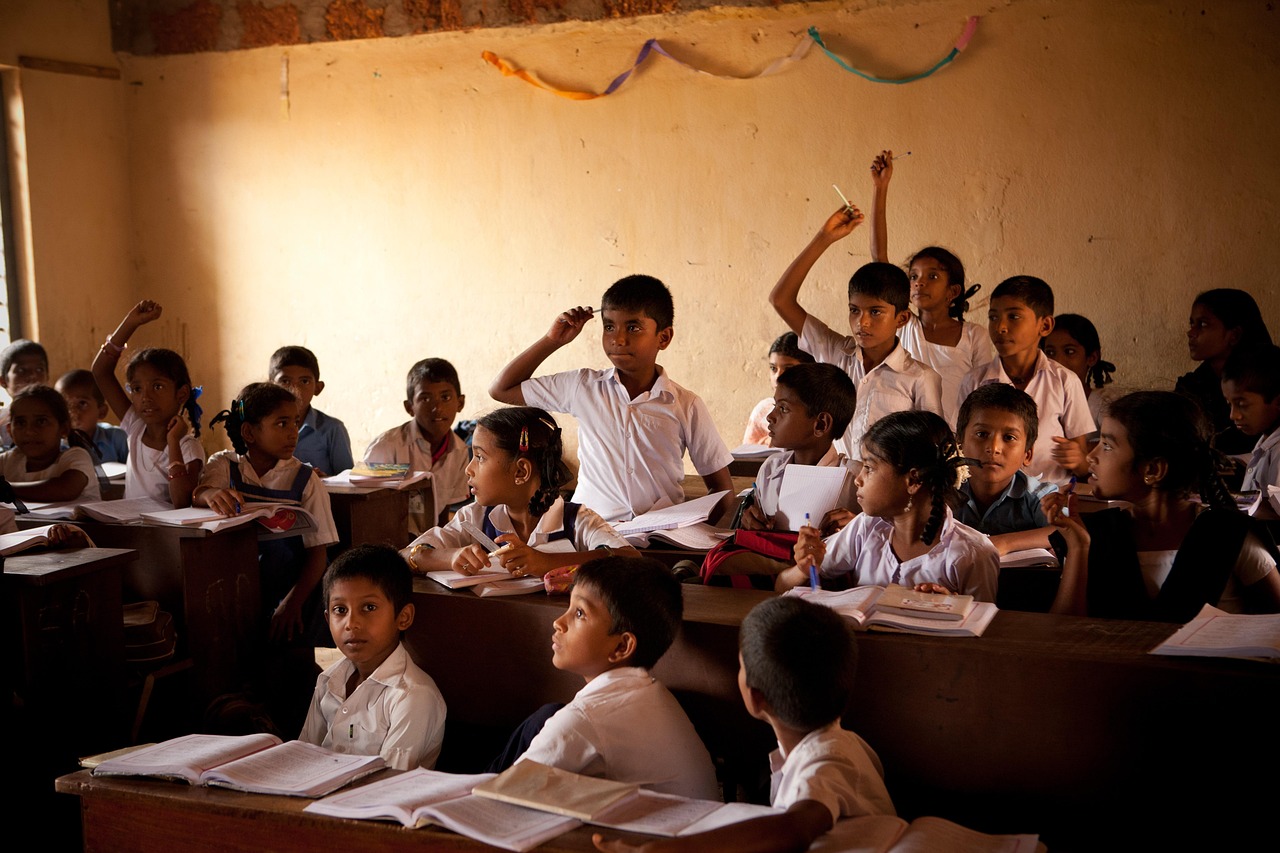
887, 378
1251, 386
796, 669
634, 423
376, 701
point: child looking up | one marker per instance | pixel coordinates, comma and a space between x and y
1222, 320
323, 442
940, 336
624, 613
427, 442
1021, 314
905, 534
88, 407
262, 424
1074, 344
515, 473
886, 377
23, 364
997, 427
784, 353
1251, 386
375, 701
164, 458
36, 466
634, 423
821, 772
1169, 555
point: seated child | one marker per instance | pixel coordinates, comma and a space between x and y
784, 353
997, 426
1251, 384
23, 363
821, 772
376, 701
515, 473
887, 378
1168, 555
427, 442
1074, 344
165, 458
624, 613
262, 424
36, 466
905, 534
88, 407
323, 442
940, 336
634, 423
1021, 314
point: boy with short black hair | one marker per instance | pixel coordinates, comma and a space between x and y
1251, 386
796, 670
323, 442
624, 613
427, 442
376, 701
1020, 316
88, 407
997, 425
23, 363
885, 375
656, 419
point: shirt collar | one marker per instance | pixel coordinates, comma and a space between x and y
610, 676
661, 386
390, 672
552, 521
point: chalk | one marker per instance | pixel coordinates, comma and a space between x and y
847, 206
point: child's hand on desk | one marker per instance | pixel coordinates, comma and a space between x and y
568, 325
937, 588
521, 560
68, 536
470, 559
224, 501
286, 622
834, 521
882, 169
754, 519
841, 224
809, 549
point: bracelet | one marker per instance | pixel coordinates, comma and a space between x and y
112, 346
413, 554
182, 469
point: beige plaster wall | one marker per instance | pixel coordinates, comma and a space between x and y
406, 200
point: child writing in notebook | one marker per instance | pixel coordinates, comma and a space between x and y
262, 424
906, 533
1169, 554
1074, 344
36, 466
516, 473
165, 459
939, 336
885, 375
784, 353
821, 772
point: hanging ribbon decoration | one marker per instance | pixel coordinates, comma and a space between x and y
799, 52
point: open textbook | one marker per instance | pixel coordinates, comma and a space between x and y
859, 606
21, 540
1215, 633
684, 524
275, 517
260, 763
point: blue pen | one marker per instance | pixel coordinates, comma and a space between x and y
1071, 490
813, 568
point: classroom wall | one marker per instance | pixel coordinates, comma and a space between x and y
385, 200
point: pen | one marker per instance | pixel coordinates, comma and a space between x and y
1071, 490
847, 206
900, 156
813, 568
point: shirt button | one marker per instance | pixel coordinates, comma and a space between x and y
345, 711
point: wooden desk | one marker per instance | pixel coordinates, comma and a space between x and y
370, 516
1051, 724
151, 816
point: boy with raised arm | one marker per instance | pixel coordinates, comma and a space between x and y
634, 423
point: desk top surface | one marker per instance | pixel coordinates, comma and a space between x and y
45, 567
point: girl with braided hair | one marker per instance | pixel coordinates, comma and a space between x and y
906, 534
1168, 555
516, 474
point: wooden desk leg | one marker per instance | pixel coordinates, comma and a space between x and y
223, 609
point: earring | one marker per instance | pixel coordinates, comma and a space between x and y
909, 503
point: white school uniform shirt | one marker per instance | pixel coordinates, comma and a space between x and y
146, 472
768, 484
397, 712
974, 349
1264, 464
315, 500
897, 384
832, 766
590, 531
631, 452
625, 726
406, 445
1060, 402
13, 464
961, 559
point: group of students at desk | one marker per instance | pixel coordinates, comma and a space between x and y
874, 402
